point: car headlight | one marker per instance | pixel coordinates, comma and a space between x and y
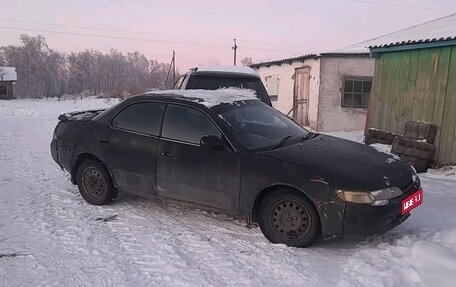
387, 193
379, 197
355, 196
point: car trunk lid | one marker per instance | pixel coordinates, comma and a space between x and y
79, 115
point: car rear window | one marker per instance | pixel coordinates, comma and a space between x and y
142, 118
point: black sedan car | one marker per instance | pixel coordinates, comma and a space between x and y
226, 151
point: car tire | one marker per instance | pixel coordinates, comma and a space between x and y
94, 183
288, 217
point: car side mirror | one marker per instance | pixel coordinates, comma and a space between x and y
212, 142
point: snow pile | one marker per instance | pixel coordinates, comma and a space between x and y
444, 173
210, 98
421, 252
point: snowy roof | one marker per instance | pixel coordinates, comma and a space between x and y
311, 56
441, 29
211, 98
286, 60
8, 74
227, 69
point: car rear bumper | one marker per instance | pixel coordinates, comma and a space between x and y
55, 152
367, 220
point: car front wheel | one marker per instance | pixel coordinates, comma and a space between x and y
287, 217
94, 183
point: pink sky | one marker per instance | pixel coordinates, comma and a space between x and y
201, 31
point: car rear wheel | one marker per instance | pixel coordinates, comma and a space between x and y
288, 217
94, 183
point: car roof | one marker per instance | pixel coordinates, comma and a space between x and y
225, 70
207, 98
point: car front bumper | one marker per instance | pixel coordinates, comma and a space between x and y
367, 220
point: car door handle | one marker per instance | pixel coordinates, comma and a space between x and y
167, 154
103, 140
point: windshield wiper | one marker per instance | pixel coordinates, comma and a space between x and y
308, 136
282, 141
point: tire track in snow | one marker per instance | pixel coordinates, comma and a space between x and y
47, 210
195, 242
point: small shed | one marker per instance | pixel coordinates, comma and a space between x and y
8, 78
327, 91
415, 79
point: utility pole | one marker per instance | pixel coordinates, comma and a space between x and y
234, 49
174, 67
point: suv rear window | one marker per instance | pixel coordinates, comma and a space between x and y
211, 82
179, 82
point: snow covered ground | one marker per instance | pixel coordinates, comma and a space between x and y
49, 236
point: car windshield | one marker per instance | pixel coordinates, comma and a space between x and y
214, 82
259, 127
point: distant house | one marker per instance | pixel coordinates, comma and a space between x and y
8, 78
328, 92
415, 78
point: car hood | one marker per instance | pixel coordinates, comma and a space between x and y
346, 164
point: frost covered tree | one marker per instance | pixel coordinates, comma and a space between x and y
41, 69
44, 72
246, 61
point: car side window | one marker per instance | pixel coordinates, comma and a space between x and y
187, 124
143, 118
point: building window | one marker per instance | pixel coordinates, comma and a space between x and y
356, 92
272, 86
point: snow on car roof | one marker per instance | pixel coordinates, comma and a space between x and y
210, 98
228, 69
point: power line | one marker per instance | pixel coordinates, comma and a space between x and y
187, 59
397, 5
136, 32
110, 36
270, 50
137, 39
104, 29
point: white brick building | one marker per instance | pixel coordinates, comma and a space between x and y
328, 92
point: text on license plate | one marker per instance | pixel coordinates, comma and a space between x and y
412, 201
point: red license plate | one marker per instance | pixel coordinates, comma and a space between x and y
412, 201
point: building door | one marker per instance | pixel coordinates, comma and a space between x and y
301, 95
3, 92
